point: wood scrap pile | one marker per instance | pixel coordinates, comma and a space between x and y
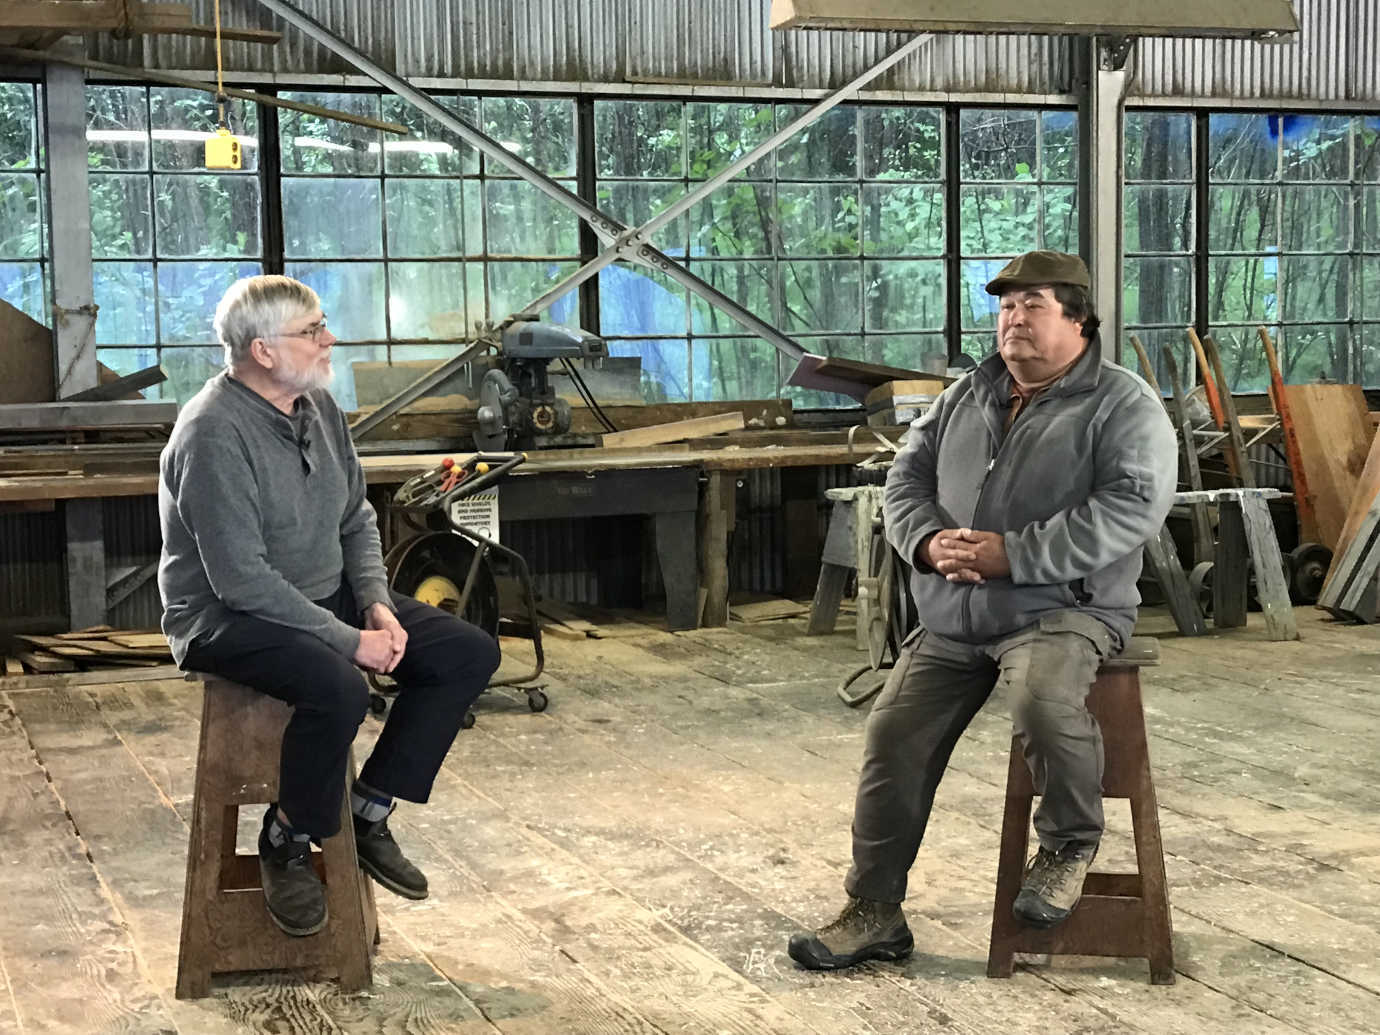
1351, 587
585, 621
99, 647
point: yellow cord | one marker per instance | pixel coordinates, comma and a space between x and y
220, 75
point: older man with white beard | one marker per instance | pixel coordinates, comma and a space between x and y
272, 576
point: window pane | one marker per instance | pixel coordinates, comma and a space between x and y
1158, 291
818, 219
1159, 146
1060, 146
121, 218
734, 368
1061, 219
21, 285
332, 218
1312, 354
747, 283
827, 149
521, 220
1316, 218
131, 361
1243, 361
311, 144
429, 299
1370, 354
343, 359
734, 221
979, 308
515, 285
1154, 339
1159, 219
1316, 147
822, 296
719, 133
997, 145
17, 126
999, 220
908, 351
183, 120
188, 293
1243, 147
431, 150
1368, 148
633, 203
1370, 218
188, 369
124, 293
639, 138
903, 219
978, 346
1242, 218
1370, 287
1244, 290
905, 296
213, 216
665, 368
21, 230
539, 130
428, 218
902, 143
351, 295
1316, 287
117, 127
636, 301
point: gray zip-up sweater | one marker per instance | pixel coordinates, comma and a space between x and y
263, 513
1084, 477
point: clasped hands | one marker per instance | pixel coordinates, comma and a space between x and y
382, 641
966, 555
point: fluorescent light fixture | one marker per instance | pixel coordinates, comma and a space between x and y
426, 147
1260, 19
319, 144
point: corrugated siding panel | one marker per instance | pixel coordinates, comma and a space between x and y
132, 540
603, 41
1335, 56
32, 571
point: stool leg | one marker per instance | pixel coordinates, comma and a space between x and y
203, 866
1015, 838
349, 902
1154, 886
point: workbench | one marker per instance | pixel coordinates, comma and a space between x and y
687, 490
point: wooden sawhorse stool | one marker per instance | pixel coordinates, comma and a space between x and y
1120, 914
225, 923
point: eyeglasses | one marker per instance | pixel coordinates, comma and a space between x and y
312, 333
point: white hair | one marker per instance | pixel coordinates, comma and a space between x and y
258, 307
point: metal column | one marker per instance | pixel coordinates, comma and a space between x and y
1101, 178
73, 316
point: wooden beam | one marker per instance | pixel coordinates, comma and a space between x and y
59, 416
674, 431
121, 386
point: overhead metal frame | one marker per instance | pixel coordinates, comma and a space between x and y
619, 241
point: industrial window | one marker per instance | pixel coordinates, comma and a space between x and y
412, 242
1017, 176
168, 236
837, 238
1159, 239
23, 248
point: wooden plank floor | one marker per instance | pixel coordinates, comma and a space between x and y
634, 859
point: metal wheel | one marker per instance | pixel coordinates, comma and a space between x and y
536, 700
1309, 562
1200, 583
433, 568
467, 723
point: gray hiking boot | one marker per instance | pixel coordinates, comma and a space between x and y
1053, 885
294, 893
382, 859
865, 930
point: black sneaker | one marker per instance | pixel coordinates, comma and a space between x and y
865, 930
295, 895
382, 859
1053, 885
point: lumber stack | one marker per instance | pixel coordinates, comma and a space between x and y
99, 647
1333, 433
1350, 589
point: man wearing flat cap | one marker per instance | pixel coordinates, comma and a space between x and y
1022, 500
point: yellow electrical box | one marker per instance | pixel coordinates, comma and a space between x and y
222, 150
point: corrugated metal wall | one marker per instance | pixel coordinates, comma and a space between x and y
604, 41
32, 582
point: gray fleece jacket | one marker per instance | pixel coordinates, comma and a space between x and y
262, 514
1084, 477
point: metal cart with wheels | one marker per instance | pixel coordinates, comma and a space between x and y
458, 569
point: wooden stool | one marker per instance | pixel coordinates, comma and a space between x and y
225, 923
1120, 914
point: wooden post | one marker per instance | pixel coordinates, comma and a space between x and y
1202, 526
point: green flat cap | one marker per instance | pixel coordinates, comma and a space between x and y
1035, 269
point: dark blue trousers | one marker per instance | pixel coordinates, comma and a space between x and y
447, 665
